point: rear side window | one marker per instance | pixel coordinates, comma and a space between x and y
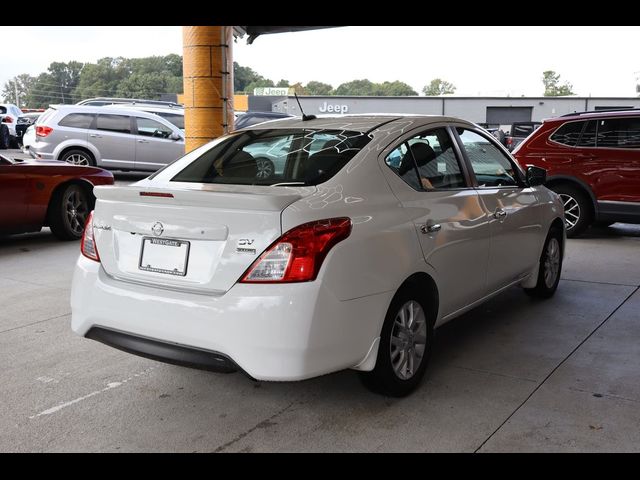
275, 157
568, 134
588, 137
114, 123
619, 133
77, 120
175, 118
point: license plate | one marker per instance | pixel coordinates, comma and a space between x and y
163, 255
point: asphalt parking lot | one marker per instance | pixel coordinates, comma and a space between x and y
515, 374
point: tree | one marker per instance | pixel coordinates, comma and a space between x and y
356, 88
552, 87
23, 82
394, 89
282, 83
437, 86
245, 79
318, 88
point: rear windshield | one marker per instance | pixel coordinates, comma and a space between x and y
45, 116
276, 157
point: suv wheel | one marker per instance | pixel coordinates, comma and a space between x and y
578, 213
405, 346
78, 157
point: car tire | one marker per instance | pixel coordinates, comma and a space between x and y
5, 137
550, 267
406, 338
265, 168
578, 209
68, 211
13, 142
78, 157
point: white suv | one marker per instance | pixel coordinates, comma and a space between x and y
9, 114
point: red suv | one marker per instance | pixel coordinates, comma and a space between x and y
592, 161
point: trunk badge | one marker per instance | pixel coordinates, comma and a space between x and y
157, 229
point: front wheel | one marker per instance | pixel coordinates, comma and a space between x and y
5, 137
68, 212
405, 346
578, 210
550, 266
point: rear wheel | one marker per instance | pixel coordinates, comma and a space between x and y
265, 168
68, 212
578, 211
550, 266
5, 137
78, 157
405, 346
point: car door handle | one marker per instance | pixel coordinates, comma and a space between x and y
94, 135
500, 214
430, 228
143, 141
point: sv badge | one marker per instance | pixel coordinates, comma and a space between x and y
244, 245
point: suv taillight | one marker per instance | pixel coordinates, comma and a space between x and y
298, 254
88, 246
7, 119
43, 130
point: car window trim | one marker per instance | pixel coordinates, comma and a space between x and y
520, 178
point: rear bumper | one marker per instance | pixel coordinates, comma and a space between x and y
163, 351
271, 332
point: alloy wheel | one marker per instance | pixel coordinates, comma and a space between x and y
76, 210
77, 159
552, 262
408, 340
571, 210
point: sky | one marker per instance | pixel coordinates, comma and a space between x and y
479, 61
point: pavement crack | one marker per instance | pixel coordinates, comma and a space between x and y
35, 323
495, 373
556, 368
263, 424
599, 283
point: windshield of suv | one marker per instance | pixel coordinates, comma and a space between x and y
275, 157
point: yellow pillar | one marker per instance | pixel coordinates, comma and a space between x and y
208, 83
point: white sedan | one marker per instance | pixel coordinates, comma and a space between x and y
349, 257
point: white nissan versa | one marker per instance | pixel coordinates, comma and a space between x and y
375, 230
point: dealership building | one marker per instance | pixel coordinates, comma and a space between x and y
490, 110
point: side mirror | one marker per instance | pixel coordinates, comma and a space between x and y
175, 136
536, 176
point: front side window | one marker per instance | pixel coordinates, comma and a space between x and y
295, 155
77, 120
427, 161
114, 123
151, 128
490, 165
619, 133
175, 118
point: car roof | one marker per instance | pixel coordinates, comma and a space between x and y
596, 114
354, 122
113, 111
146, 108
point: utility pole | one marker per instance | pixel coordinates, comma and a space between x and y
15, 88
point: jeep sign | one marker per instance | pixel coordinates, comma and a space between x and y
329, 108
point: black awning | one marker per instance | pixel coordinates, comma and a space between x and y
254, 32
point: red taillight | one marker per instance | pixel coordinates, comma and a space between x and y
509, 141
156, 194
43, 131
298, 254
7, 119
88, 243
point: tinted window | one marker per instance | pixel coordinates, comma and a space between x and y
114, 123
619, 133
151, 128
568, 134
401, 162
490, 165
77, 120
175, 118
588, 137
236, 160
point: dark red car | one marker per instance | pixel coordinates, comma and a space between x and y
59, 195
593, 162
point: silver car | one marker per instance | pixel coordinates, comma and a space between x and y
117, 138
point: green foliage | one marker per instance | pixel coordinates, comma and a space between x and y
552, 87
356, 87
23, 82
394, 89
437, 86
318, 88
367, 87
282, 83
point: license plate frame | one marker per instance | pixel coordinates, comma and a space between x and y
166, 242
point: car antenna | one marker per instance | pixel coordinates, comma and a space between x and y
304, 117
